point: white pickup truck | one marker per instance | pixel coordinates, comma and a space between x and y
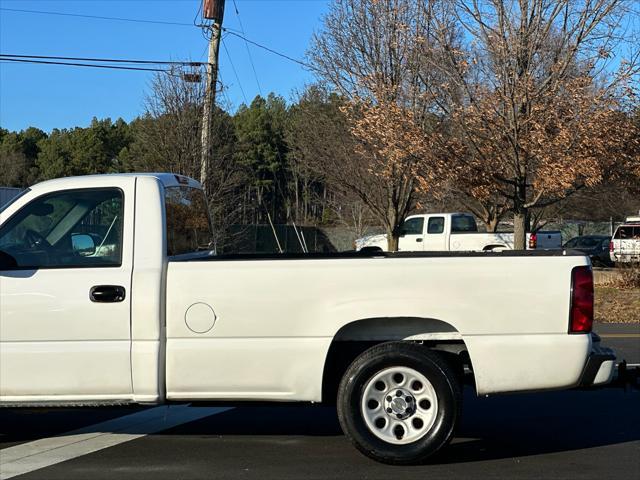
454, 232
625, 243
109, 295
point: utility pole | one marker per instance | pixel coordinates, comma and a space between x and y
212, 10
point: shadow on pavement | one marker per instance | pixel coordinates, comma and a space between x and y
491, 428
534, 424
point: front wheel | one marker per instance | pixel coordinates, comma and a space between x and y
398, 403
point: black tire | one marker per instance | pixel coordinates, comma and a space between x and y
371, 250
399, 354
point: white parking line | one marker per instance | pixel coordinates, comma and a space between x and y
45, 452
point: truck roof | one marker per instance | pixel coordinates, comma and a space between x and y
167, 179
432, 214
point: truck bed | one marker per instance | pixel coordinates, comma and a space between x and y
273, 315
209, 257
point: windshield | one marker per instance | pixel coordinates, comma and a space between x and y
590, 242
10, 202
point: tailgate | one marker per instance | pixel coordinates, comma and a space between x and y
549, 240
626, 249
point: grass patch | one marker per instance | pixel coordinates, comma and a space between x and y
616, 305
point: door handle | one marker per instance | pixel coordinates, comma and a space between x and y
107, 294
418, 239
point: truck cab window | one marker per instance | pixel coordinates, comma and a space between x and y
413, 226
624, 233
463, 223
436, 225
72, 229
188, 226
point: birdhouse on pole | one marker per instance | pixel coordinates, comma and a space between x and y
213, 10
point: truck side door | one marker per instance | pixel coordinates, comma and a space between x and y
412, 236
65, 290
435, 238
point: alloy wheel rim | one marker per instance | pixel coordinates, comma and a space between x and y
399, 405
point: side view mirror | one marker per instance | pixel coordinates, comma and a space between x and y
403, 232
83, 244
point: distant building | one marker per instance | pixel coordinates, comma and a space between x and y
7, 193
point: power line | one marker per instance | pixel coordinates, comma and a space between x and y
102, 17
268, 49
230, 31
197, 14
253, 67
223, 91
203, 55
224, 45
246, 44
98, 17
106, 60
74, 64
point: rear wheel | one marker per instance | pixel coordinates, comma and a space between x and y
399, 403
495, 248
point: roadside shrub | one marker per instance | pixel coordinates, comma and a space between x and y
629, 276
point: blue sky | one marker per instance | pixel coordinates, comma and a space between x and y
61, 97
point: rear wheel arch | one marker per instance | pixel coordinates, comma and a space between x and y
356, 337
494, 248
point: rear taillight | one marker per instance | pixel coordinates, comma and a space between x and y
611, 246
533, 241
581, 316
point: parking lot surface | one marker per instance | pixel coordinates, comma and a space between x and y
570, 434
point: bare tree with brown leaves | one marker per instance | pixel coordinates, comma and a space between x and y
368, 52
401, 154
168, 139
536, 107
168, 132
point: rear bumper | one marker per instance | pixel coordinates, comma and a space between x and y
625, 257
600, 365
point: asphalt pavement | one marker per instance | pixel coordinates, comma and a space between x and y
581, 434
624, 338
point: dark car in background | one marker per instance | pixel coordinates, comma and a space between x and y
596, 246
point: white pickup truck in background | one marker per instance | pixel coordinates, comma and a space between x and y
625, 243
454, 232
109, 295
